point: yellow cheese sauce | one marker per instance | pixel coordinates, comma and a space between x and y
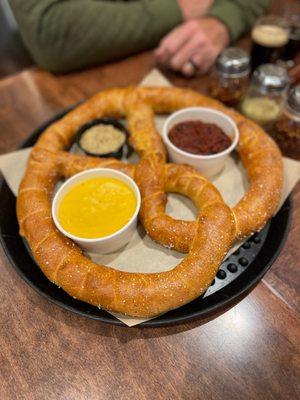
97, 207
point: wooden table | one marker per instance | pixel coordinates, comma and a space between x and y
249, 352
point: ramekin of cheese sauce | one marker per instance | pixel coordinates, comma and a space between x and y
98, 209
201, 137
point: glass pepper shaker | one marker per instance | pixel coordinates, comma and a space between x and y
230, 77
286, 131
266, 94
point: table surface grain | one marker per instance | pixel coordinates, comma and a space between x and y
251, 351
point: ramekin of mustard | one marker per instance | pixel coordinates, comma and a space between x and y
103, 137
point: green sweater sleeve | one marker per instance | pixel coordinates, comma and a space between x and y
71, 34
238, 15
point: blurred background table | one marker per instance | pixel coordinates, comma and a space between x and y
251, 351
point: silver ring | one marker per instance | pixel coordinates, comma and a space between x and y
195, 66
189, 69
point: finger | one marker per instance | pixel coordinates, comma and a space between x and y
203, 60
172, 43
170, 47
196, 65
188, 69
186, 52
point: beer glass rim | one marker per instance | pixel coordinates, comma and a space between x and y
273, 20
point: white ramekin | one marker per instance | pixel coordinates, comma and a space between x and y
107, 244
208, 165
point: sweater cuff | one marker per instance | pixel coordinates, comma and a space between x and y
231, 16
166, 14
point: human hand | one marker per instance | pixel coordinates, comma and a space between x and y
194, 8
193, 46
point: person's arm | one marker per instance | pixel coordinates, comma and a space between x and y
238, 15
71, 34
194, 46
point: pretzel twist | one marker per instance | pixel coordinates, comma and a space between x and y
207, 240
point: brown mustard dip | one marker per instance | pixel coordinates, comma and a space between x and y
199, 137
102, 139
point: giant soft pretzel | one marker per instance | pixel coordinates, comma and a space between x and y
207, 240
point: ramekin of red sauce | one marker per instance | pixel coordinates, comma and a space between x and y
201, 137
198, 137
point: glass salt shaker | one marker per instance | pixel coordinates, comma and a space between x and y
230, 77
266, 94
286, 131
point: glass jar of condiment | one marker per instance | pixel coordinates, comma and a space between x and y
266, 94
286, 130
230, 77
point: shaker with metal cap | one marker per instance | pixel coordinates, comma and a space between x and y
286, 130
230, 77
265, 97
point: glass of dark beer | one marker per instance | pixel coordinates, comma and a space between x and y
270, 36
291, 13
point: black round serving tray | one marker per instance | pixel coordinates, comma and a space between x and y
237, 275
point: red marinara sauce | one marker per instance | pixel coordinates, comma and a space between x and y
199, 137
